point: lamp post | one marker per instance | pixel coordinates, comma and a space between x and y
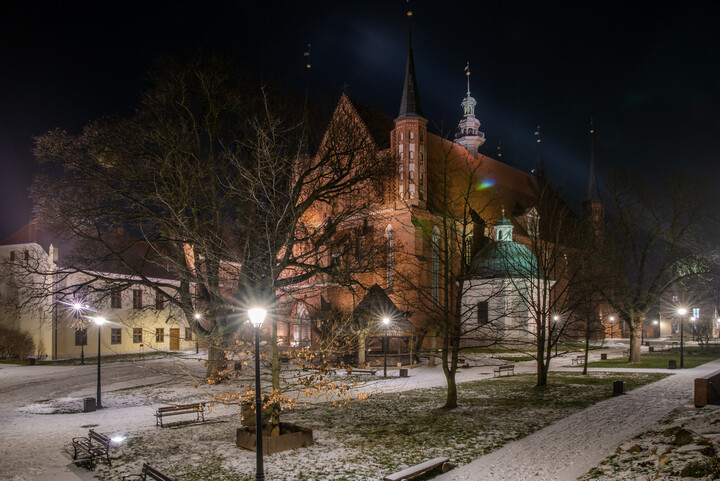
99, 321
77, 312
657, 323
555, 320
197, 341
682, 311
257, 316
386, 323
612, 326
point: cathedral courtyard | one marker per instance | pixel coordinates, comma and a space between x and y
505, 428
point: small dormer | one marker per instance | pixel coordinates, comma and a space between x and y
503, 229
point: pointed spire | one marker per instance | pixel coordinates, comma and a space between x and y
410, 102
593, 193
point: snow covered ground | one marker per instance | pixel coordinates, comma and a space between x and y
35, 446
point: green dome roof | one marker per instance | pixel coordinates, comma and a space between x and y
504, 258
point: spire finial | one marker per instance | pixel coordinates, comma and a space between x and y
539, 170
410, 102
467, 73
593, 193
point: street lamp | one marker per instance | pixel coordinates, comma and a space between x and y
197, 341
612, 326
555, 320
657, 323
99, 321
77, 312
257, 316
386, 323
682, 311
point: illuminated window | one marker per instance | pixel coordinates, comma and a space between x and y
696, 312
115, 336
160, 334
137, 299
137, 335
116, 299
435, 265
401, 172
412, 135
390, 240
81, 337
411, 191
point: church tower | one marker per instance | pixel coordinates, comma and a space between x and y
593, 207
409, 139
468, 133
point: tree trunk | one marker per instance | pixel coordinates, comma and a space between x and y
541, 342
216, 363
361, 348
449, 364
635, 339
433, 349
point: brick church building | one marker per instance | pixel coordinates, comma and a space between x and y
434, 179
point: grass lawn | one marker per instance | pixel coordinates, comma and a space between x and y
383, 435
694, 356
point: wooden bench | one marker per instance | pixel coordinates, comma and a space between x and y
197, 408
578, 360
361, 372
148, 472
93, 446
509, 369
419, 469
707, 390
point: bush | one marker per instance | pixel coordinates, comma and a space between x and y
15, 344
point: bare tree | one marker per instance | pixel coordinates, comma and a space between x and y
656, 228
212, 180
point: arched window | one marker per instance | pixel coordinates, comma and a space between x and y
390, 236
435, 265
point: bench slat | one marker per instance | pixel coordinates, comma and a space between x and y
415, 470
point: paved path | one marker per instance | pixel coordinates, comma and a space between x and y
574, 445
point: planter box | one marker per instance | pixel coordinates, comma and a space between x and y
291, 437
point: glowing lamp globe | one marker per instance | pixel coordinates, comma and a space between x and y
386, 321
99, 320
682, 311
257, 316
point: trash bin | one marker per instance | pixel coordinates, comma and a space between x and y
89, 405
603, 356
651, 348
30, 361
618, 388
672, 364
404, 373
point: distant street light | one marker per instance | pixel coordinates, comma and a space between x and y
681, 312
257, 316
386, 323
77, 313
197, 341
555, 320
99, 321
612, 326
657, 323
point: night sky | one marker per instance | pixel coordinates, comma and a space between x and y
648, 75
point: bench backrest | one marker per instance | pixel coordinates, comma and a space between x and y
178, 407
148, 470
101, 438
